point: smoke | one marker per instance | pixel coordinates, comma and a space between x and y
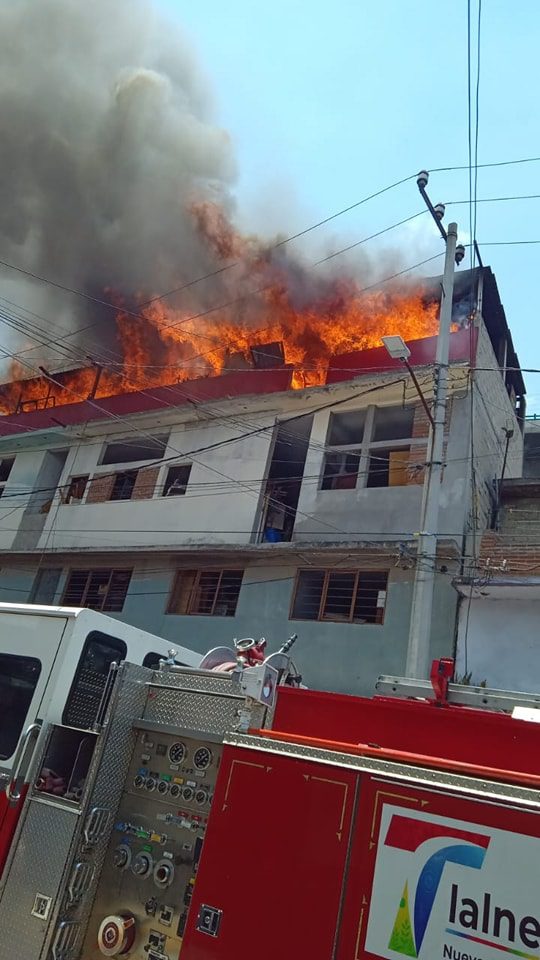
106, 140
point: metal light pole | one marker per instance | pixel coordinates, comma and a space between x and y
418, 659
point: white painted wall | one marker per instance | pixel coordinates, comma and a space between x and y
501, 643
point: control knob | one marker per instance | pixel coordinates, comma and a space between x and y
116, 935
142, 865
122, 856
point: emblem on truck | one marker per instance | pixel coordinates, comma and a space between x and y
465, 848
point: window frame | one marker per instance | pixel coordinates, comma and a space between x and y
90, 574
367, 450
189, 612
179, 493
327, 573
162, 442
121, 476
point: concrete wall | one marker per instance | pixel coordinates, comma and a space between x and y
500, 644
332, 656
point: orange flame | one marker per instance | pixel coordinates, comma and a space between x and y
267, 298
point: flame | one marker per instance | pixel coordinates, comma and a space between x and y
267, 297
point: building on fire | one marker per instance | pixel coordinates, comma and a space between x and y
235, 506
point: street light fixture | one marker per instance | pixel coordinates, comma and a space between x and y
398, 350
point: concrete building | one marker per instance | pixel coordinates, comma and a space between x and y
499, 611
236, 506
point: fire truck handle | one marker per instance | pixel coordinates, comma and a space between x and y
31, 733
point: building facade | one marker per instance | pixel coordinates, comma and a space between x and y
499, 602
236, 506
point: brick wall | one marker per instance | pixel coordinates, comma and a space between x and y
100, 488
145, 483
418, 454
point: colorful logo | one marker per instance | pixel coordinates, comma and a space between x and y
408, 834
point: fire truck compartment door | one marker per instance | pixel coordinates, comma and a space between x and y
28, 649
271, 877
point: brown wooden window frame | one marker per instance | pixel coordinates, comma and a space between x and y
90, 572
327, 574
174, 595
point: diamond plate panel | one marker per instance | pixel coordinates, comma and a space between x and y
193, 711
109, 770
37, 869
205, 702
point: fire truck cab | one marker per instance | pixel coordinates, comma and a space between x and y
54, 664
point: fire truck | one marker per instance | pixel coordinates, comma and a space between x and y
223, 813
54, 662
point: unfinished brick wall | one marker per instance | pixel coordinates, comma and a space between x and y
100, 488
417, 454
145, 483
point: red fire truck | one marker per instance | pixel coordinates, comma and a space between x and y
227, 814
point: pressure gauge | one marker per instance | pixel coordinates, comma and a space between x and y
202, 758
177, 753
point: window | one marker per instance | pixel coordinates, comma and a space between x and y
346, 596
123, 485
82, 705
18, 680
340, 471
5, 469
76, 489
212, 593
369, 448
133, 449
98, 589
177, 480
45, 585
393, 423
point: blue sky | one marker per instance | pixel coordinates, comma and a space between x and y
327, 102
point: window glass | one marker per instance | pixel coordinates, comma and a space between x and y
347, 596
133, 449
340, 471
18, 680
100, 589
346, 428
100, 650
393, 423
206, 592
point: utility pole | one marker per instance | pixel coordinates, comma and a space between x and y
418, 659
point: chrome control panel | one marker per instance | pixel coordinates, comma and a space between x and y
147, 881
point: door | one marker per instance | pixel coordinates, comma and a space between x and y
28, 649
270, 881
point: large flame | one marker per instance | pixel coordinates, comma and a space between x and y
266, 297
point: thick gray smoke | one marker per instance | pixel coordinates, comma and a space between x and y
106, 138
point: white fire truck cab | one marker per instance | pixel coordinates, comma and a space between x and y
54, 665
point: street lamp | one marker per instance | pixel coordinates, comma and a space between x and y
398, 350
